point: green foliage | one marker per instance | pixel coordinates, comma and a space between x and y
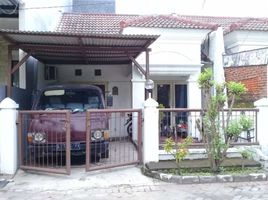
244, 105
246, 154
235, 88
234, 129
205, 79
245, 122
181, 149
215, 129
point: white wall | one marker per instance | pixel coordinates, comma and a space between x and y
112, 76
175, 56
245, 40
109, 73
41, 15
174, 46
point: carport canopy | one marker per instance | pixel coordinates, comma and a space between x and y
66, 48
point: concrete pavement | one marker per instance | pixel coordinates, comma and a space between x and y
121, 183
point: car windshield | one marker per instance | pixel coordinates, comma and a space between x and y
74, 99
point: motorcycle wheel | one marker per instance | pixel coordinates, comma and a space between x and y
129, 130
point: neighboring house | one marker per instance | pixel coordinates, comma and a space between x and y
250, 68
93, 6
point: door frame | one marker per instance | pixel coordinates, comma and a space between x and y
172, 90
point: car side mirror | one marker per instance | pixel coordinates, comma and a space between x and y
109, 100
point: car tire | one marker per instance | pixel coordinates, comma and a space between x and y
105, 154
95, 159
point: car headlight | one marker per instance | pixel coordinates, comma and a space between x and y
97, 134
38, 137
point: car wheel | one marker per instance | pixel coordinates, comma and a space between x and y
105, 154
95, 159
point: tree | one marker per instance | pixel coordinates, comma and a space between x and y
217, 131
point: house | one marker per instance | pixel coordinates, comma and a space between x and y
120, 53
173, 53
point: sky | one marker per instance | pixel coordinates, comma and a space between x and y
233, 8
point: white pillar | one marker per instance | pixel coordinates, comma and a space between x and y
194, 92
151, 131
262, 125
216, 51
138, 96
8, 137
194, 102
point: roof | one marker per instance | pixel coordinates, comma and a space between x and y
114, 23
92, 23
71, 48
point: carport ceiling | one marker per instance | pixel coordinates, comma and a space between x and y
65, 48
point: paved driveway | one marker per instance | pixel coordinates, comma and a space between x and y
121, 183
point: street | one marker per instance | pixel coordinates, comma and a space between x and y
122, 183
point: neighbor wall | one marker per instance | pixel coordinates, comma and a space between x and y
254, 78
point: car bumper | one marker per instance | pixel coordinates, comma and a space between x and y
77, 149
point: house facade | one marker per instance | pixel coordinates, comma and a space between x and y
175, 59
90, 48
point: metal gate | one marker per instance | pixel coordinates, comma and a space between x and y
39, 150
50, 141
121, 132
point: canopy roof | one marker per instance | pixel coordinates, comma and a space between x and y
68, 48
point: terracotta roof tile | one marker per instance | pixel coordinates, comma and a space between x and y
114, 23
93, 23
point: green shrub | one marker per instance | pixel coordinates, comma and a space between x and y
234, 129
245, 122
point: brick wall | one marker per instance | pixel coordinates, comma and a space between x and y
254, 78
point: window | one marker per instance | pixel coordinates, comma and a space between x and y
115, 90
78, 72
50, 73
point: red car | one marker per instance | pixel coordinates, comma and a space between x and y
46, 133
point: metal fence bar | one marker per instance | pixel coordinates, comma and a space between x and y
139, 136
179, 122
124, 148
68, 142
44, 155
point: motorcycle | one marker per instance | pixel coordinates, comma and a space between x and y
182, 129
129, 125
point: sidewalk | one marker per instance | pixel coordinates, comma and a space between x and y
121, 183
5, 179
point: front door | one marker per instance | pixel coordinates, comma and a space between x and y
171, 95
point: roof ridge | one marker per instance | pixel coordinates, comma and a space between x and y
238, 24
142, 18
181, 18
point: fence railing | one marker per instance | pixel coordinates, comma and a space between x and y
179, 123
51, 141
44, 141
123, 134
